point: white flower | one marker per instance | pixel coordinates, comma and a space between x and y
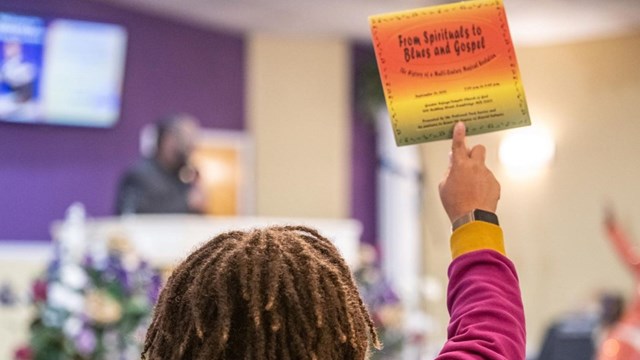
62, 297
73, 276
72, 327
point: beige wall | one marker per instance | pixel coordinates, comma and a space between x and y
588, 95
298, 114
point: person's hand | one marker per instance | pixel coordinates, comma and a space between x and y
197, 197
468, 183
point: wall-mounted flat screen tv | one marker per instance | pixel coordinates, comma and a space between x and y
60, 71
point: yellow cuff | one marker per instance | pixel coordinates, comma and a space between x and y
477, 235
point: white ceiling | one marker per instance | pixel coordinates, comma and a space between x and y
532, 22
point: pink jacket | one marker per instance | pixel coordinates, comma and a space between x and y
483, 297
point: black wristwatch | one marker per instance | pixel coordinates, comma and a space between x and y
475, 215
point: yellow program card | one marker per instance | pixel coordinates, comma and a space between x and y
448, 63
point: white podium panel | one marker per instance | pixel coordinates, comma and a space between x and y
165, 240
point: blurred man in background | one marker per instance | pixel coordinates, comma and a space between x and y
164, 183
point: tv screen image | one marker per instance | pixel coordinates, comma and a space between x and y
61, 71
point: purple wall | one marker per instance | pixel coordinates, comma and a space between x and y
170, 67
364, 195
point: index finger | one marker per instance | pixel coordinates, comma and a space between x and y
458, 146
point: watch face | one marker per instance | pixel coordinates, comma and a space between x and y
485, 216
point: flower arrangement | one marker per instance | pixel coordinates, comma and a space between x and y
95, 308
384, 305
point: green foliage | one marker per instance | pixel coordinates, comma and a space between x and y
369, 92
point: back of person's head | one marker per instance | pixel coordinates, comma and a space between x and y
273, 293
611, 308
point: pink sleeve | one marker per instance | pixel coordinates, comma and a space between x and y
487, 317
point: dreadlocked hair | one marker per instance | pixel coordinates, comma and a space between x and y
280, 293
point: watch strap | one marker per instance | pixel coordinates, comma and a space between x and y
475, 215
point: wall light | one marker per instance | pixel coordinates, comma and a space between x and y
525, 152
216, 170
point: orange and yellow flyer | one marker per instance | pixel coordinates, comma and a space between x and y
448, 63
